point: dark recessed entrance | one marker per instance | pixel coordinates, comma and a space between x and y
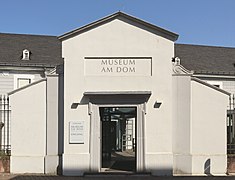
118, 129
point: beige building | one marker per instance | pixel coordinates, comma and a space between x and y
120, 105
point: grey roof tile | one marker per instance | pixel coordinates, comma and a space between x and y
207, 59
45, 50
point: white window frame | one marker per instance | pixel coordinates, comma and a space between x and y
216, 83
22, 76
26, 55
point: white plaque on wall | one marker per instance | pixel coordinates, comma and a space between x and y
118, 66
76, 132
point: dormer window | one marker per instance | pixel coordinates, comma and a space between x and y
26, 54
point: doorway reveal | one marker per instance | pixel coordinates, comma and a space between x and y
118, 139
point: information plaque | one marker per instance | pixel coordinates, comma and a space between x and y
76, 132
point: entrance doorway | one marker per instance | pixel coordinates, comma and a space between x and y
118, 138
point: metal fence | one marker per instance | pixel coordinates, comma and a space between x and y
5, 141
231, 126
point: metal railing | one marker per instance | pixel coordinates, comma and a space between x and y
5, 141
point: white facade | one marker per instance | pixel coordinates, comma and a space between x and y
28, 155
10, 81
35, 145
199, 147
122, 42
121, 62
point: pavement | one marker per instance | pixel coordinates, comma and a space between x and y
109, 177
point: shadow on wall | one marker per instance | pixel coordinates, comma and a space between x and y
121, 98
160, 171
157, 104
71, 171
155, 172
207, 167
84, 101
60, 122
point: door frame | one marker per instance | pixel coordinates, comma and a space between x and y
95, 135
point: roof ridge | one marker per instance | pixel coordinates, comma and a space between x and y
171, 35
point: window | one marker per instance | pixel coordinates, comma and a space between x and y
26, 55
21, 80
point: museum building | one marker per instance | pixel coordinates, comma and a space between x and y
121, 102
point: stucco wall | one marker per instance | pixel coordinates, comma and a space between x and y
120, 39
209, 137
35, 127
28, 129
200, 127
182, 124
53, 141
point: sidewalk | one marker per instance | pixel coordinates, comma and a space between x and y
109, 176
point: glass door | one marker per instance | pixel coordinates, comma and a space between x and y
118, 138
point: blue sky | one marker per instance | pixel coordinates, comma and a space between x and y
206, 22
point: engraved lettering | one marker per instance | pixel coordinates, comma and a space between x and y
125, 69
118, 66
104, 62
132, 62
107, 69
110, 62
132, 69
119, 69
125, 62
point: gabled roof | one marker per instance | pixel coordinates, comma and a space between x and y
165, 33
207, 59
45, 50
